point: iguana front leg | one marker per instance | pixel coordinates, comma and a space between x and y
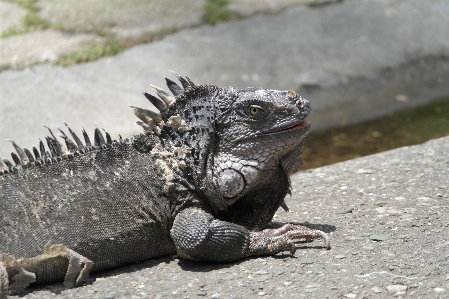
56, 263
198, 236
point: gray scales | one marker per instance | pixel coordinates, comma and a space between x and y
203, 181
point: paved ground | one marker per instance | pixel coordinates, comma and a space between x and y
387, 215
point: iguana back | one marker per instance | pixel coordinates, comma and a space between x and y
99, 203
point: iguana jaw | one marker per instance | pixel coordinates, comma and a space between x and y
288, 127
293, 127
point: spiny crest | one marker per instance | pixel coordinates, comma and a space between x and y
24, 158
150, 119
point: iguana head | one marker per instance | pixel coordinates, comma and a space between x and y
259, 133
239, 139
261, 124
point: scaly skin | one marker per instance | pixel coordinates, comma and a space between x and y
203, 181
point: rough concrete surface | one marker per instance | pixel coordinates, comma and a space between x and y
387, 215
250, 7
349, 59
42, 46
11, 15
129, 19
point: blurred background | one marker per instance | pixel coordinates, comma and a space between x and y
376, 72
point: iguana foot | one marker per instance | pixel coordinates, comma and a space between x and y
11, 270
78, 268
272, 241
56, 263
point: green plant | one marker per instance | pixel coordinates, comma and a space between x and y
12, 31
314, 4
217, 11
27, 4
33, 21
92, 52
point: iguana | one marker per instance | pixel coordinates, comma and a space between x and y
203, 181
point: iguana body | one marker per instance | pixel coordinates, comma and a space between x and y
203, 181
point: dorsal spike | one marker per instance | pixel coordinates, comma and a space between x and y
51, 147
42, 148
120, 137
165, 96
7, 163
36, 153
29, 154
63, 134
147, 116
49, 130
98, 138
16, 159
56, 144
190, 82
108, 137
174, 88
57, 147
160, 105
86, 138
75, 137
145, 127
3, 167
24, 159
71, 147
68, 143
159, 90
183, 81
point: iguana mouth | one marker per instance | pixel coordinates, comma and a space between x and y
281, 129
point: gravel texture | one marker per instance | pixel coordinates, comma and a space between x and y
411, 262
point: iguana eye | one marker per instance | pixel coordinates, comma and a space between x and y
255, 110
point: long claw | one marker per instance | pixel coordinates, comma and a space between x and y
293, 249
326, 239
284, 206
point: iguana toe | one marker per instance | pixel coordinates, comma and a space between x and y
272, 241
